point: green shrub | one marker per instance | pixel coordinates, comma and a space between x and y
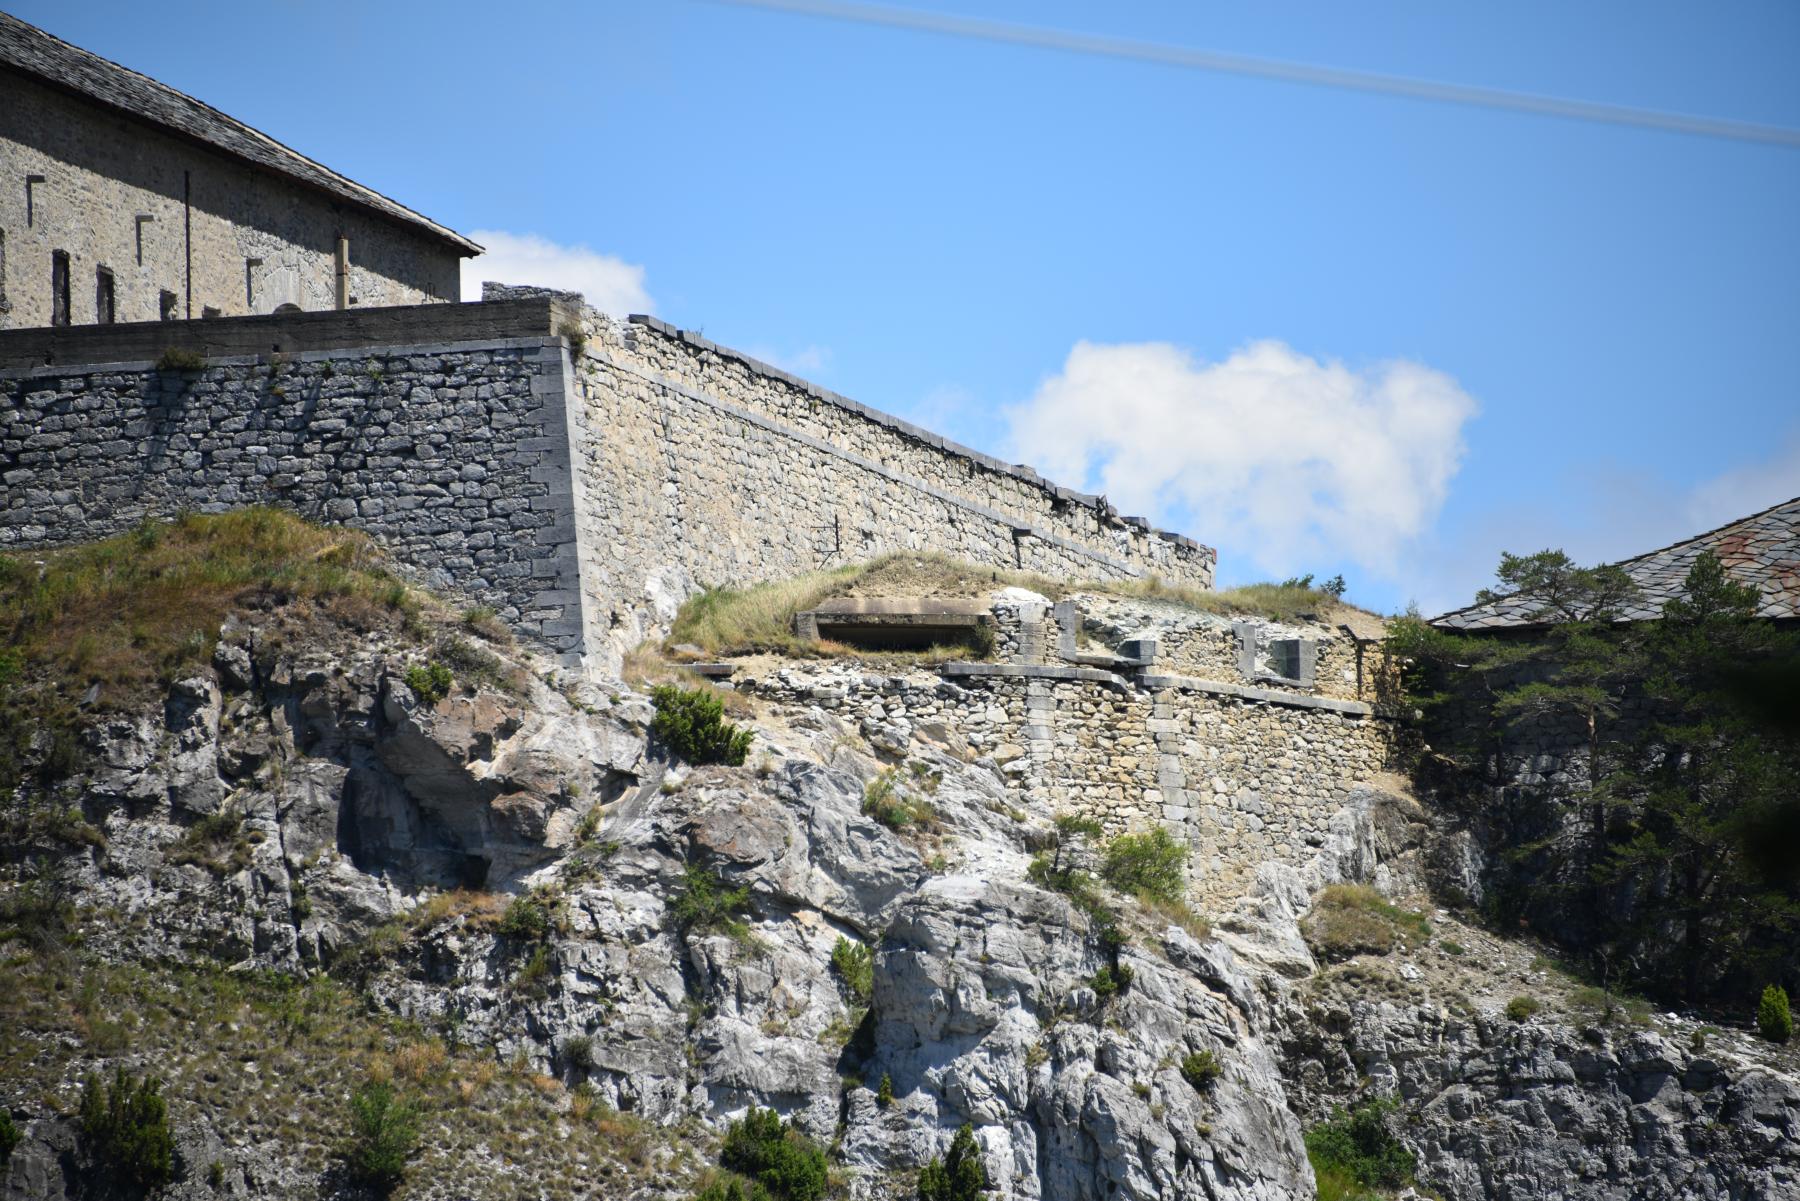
884, 1095
733, 1188
1152, 863
1773, 1016
429, 682
125, 1130
177, 358
578, 1050
534, 977
692, 723
959, 1176
886, 801
1357, 1144
1610, 1007
384, 1130
1110, 982
774, 1156
855, 964
527, 919
9, 1137
1200, 1069
1521, 1008
705, 903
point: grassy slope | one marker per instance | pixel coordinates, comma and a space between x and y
276, 1065
139, 608
723, 621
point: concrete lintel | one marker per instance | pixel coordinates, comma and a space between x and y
1031, 671
1293, 700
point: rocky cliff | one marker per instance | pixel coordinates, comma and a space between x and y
292, 871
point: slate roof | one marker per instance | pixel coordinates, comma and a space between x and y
30, 50
1762, 550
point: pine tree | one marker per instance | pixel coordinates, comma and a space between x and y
959, 1176
1699, 785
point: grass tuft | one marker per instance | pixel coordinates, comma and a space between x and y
1354, 919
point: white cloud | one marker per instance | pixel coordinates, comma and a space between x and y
610, 284
1284, 460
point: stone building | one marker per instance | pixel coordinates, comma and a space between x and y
121, 199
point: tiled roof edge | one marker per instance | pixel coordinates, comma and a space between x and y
275, 155
1638, 558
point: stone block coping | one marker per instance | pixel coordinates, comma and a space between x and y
1033, 671
1090, 675
403, 325
1293, 700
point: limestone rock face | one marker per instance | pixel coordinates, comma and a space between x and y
302, 810
1516, 1112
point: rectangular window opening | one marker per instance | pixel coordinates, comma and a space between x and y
165, 305
31, 182
4, 307
105, 308
1284, 658
59, 287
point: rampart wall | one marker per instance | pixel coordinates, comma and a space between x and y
583, 475
1244, 775
453, 454
728, 472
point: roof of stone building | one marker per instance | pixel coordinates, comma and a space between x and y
30, 50
1761, 550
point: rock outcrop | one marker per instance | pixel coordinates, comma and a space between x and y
302, 810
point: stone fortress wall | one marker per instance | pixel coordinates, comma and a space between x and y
448, 451
101, 172
584, 475
1244, 769
698, 466
581, 474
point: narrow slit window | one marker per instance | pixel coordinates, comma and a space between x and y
59, 287
105, 299
165, 305
4, 307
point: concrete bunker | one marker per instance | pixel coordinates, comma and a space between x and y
901, 623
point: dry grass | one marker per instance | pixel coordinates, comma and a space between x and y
760, 619
1277, 602
140, 608
481, 911
270, 1063
1354, 919
1175, 913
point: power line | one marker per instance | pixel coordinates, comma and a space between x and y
1040, 37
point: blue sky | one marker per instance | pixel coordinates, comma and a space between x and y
1325, 331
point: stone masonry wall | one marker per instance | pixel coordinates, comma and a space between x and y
102, 171
728, 472
561, 477
1241, 779
454, 456
1194, 643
